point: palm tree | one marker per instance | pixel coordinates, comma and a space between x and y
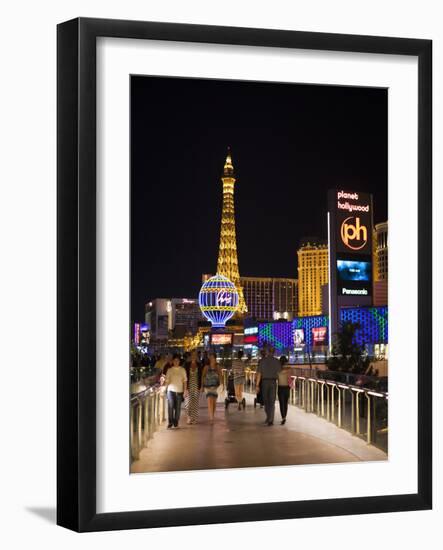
347, 355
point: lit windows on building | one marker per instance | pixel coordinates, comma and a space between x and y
381, 251
172, 314
380, 261
312, 275
268, 298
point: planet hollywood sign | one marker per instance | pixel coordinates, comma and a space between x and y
350, 252
351, 231
350, 207
354, 231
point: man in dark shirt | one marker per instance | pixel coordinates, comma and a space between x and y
266, 379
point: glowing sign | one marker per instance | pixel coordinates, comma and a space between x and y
353, 234
223, 297
354, 291
144, 334
136, 334
251, 330
299, 338
350, 207
319, 335
221, 339
354, 276
351, 270
352, 212
218, 300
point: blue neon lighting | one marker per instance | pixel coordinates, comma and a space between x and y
218, 300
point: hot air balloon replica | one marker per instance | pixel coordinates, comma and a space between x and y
218, 300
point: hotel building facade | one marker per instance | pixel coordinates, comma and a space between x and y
269, 298
380, 261
312, 275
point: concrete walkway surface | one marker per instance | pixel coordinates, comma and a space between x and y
240, 439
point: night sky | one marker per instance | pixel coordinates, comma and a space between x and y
290, 143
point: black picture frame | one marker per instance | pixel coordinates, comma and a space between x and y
76, 266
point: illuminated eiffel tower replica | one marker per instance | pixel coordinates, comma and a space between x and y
227, 264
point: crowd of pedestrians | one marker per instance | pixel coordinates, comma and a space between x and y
189, 377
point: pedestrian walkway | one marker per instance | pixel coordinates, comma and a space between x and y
239, 439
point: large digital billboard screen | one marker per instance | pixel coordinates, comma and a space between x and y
354, 277
351, 270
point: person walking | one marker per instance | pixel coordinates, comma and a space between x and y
259, 398
238, 372
194, 374
175, 383
284, 386
211, 378
168, 362
266, 380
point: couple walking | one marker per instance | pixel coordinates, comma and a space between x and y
190, 381
271, 371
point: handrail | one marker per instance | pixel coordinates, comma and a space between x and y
360, 380
328, 399
148, 412
340, 403
143, 393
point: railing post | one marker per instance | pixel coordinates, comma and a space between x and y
369, 419
156, 422
154, 426
164, 412
146, 418
323, 399
294, 383
317, 389
139, 425
332, 402
357, 413
352, 411
374, 421
339, 407
134, 450
328, 408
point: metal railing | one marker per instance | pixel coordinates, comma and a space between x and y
360, 410
148, 411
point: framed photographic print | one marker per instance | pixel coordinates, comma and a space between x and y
244, 274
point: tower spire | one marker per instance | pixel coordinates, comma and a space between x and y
228, 169
227, 264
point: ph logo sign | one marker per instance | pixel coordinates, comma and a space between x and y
353, 234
